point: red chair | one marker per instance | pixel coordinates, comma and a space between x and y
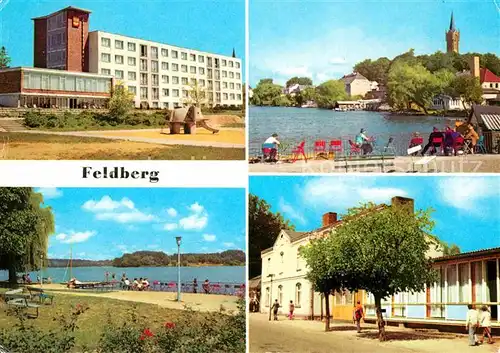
437, 142
354, 149
299, 150
416, 141
336, 146
319, 147
458, 144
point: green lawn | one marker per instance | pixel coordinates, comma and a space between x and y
54, 147
91, 323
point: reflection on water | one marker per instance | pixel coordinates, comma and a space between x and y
297, 124
233, 274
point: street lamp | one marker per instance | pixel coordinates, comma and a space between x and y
178, 240
41, 269
270, 295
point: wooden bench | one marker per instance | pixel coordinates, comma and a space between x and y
21, 301
380, 160
41, 294
424, 161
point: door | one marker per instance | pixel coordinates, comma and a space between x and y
491, 280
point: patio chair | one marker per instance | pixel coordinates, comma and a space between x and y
480, 147
299, 150
320, 148
437, 143
458, 144
336, 146
354, 149
268, 149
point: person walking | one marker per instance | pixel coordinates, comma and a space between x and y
291, 308
358, 315
275, 308
471, 324
486, 324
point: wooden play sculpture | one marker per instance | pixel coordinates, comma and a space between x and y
189, 119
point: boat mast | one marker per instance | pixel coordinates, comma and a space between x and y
70, 261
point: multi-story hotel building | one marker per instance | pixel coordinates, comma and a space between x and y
159, 75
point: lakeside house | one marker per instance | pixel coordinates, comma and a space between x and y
292, 90
469, 278
358, 85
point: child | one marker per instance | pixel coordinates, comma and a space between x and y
291, 308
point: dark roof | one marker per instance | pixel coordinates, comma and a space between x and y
487, 115
351, 77
452, 23
254, 282
65, 9
470, 254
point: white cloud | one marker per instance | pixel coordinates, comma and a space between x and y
125, 217
81, 254
172, 212
170, 226
209, 237
340, 192
153, 246
50, 193
75, 237
289, 211
196, 208
107, 204
194, 222
229, 245
466, 192
123, 211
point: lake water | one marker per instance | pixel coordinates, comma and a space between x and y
296, 124
231, 274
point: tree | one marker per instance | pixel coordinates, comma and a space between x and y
305, 81
267, 93
4, 59
468, 88
263, 228
452, 249
329, 92
374, 70
121, 102
25, 226
379, 250
197, 95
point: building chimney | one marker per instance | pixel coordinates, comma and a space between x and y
329, 218
403, 202
474, 66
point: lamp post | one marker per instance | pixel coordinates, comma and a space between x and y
178, 240
271, 275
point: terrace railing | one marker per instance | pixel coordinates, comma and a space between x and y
224, 288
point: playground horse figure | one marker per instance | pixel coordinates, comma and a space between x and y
189, 118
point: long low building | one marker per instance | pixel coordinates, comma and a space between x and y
48, 88
467, 278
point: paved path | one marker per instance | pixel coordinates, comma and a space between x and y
165, 141
461, 164
301, 336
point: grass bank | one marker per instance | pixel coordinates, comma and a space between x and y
30, 146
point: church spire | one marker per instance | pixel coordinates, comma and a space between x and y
234, 53
452, 23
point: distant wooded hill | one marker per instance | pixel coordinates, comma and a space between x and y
159, 258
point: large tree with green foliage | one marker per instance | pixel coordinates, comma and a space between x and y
263, 228
329, 92
4, 59
267, 93
306, 81
380, 250
468, 88
25, 226
120, 103
375, 70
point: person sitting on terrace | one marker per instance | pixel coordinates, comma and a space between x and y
145, 284
363, 141
136, 284
126, 284
434, 135
272, 143
206, 286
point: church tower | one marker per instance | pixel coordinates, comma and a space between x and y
452, 37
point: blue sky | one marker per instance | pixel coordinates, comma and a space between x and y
324, 39
105, 223
466, 208
214, 26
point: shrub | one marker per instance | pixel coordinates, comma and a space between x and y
32, 119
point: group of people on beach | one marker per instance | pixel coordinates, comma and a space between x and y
140, 284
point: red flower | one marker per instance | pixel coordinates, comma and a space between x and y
146, 333
169, 325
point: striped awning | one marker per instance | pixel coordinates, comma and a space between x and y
491, 121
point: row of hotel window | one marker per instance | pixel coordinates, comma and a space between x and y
65, 83
155, 94
119, 59
165, 79
174, 54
